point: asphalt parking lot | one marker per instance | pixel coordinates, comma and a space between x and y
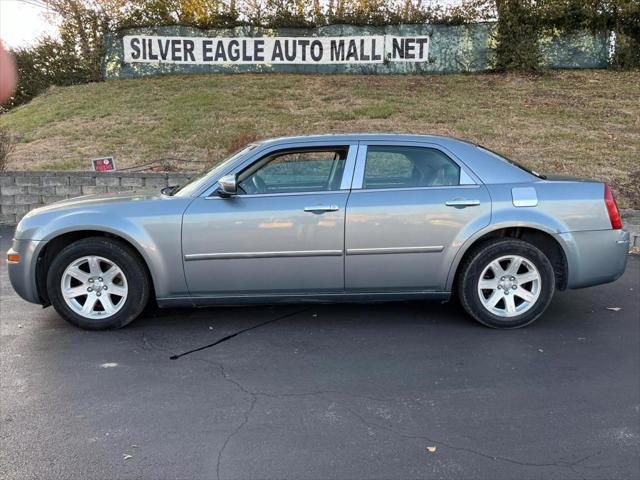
397, 390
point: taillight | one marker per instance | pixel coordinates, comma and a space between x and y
612, 208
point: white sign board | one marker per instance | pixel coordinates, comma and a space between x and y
275, 50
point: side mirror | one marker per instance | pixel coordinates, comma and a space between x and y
169, 190
227, 186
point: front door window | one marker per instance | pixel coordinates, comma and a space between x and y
295, 171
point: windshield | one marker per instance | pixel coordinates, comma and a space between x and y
512, 162
199, 180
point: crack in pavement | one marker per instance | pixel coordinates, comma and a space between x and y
559, 463
247, 414
239, 332
314, 393
254, 398
238, 385
254, 394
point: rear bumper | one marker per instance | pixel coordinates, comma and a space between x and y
595, 257
23, 274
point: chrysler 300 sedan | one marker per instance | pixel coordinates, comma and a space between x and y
323, 219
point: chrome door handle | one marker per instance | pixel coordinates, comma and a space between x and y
462, 202
321, 208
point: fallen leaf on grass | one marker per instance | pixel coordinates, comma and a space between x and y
431, 449
614, 309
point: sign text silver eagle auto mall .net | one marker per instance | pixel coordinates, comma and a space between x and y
275, 50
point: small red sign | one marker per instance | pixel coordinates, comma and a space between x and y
103, 164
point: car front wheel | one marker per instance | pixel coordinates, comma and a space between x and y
98, 283
506, 283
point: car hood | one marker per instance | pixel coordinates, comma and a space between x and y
88, 201
108, 212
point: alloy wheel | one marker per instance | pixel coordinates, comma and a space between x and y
94, 287
509, 286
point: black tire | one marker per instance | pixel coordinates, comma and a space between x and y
473, 266
115, 251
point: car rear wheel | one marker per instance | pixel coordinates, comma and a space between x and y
98, 283
506, 283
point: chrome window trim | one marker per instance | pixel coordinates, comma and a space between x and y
282, 194
401, 189
467, 177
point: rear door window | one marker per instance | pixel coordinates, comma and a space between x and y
408, 167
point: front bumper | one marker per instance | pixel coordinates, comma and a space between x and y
23, 273
595, 257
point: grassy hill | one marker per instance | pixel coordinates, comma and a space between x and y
573, 122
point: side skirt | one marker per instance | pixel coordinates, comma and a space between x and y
269, 299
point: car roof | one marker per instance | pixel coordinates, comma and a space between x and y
350, 137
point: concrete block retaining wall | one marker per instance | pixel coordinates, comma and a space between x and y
23, 191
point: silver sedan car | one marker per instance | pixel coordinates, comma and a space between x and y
324, 219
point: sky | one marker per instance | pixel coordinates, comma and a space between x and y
22, 23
